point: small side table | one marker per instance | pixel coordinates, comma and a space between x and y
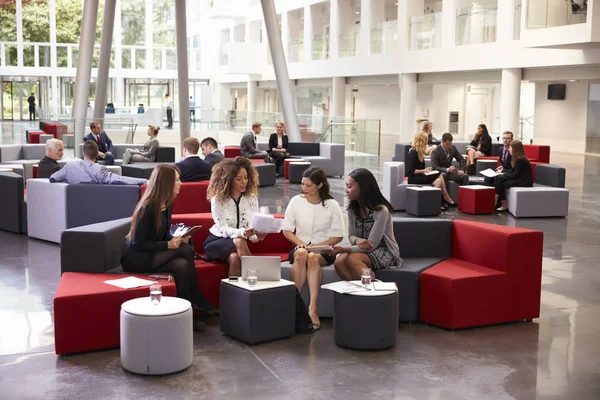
260, 313
366, 320
296, 169
423, 201
476, 199
156, 339
286, 165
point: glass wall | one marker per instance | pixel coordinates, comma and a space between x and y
551, 13
163, 27
133, 27
426, 32
476, 23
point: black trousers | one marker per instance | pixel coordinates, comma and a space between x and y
502, 183
31, 113
193, 115
462, 180
278, 157
169, 118
180, 263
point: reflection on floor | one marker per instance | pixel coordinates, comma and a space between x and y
555, 357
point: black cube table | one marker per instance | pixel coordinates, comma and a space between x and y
258, 314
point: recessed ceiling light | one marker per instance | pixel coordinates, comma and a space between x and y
358, 12
572, 80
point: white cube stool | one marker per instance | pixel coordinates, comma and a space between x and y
156, 340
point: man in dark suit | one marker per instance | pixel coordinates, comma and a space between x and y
441, 160
105, 145
210, 151
505, 157
248, 144
48, 165
193, 168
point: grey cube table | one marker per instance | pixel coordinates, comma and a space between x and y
423, 201
258, 314
296, 169
366, 320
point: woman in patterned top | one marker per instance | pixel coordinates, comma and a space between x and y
370, 229
233, 194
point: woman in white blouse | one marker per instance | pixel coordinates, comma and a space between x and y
233, 194
317, 220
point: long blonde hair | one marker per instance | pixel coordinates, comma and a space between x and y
159, 193
223, 175
419, 144
518, 152
283, 126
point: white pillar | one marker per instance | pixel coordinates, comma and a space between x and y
104, 60
506, 13
338, 106
510, 100
448, 23
148, 34
252, 102
53, 63
364, 39
408, 100
281, 73
84, 70
308, 33
334, 29
183, 88
19, 16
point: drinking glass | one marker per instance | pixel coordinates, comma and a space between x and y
252, 276
155, 294
366, 277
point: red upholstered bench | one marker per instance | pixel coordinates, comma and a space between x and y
86, 310
476, 199
209, 273
191, 198
536, 152
493, 276
232, 151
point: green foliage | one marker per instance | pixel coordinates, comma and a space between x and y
133, 26
68, 21
8, 21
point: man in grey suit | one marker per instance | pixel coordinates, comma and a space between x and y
210, 151
441, 160
248, 144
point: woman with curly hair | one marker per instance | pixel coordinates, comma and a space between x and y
233, 194
416, 171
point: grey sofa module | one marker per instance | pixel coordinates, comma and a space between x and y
11, 202
26, 155
539, 201
165, 154
141, 170
93, 248
423, 201
330, 157
55, 207
550, 175
267, 174
401, 152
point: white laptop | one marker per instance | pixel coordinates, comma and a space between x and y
268, 268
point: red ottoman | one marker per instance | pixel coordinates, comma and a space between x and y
86, 310
34, 137
55, 129
536, 152
232, 152
286, 165
34, 171
191, 198
476, 199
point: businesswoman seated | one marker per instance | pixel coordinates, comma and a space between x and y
278, 144
233, 194
432, 141
417, 173
370, 229
480, 146
519, 176
148, 153
316, 219
149, 246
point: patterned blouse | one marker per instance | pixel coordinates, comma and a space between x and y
231, 217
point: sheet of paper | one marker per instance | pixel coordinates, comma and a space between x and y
385, 286
265, 223
434, 172
490, 173
129, 282
344, 287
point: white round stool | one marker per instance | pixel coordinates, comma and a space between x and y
156, 340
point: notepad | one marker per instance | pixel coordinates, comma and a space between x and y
490, 173
391, 286
130, 282
434, 172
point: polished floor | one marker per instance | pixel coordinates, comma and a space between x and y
555, 357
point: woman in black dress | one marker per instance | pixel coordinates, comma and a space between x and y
149, 246
519, 176
480, 146
417, 172
278, 145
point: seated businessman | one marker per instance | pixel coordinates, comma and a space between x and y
441, 160
193, 168
105, 145
504, 157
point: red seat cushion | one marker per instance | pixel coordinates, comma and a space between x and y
34, 171
232, 151
191, 198
86, 310
537, 152
34, 137
256, 161
476, 200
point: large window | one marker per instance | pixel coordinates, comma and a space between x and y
133, 25
36, 23
163, 27
8, 21
68, 21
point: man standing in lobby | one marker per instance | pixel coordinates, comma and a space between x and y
248, 144
105, 145
31, 101
169, 111
441, 160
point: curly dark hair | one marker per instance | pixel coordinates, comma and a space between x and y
223, 174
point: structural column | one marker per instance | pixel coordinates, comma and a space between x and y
338, 106
53, 64
448, 23
281, 72
252, 101
104, 61
510, 100
183, 88
84, 70
408, 100
308, 33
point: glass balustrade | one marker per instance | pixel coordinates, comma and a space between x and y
517, 23
348, 42
426, 32
551, 13
384, 37
320, 48
476, 24
296, 51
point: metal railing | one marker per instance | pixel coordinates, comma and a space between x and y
426, 32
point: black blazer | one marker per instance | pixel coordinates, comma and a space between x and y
47, 167
486, 144
440, 162
194, 169
507, 164
138, 253
214, 157
521, 174
273, 142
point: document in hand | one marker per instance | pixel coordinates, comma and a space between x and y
344, 287
433, 172
265, 223
490, 173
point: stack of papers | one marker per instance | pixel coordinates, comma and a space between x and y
265, 223
432, 172
344, 287
490, 173
391, 286
130, 282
